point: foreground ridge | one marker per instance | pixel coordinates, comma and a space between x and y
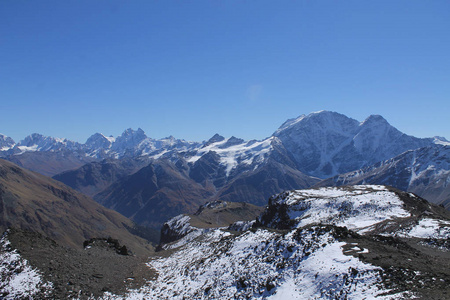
354, 242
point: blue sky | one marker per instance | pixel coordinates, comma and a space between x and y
194, 68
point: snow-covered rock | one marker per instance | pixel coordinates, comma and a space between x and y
6, 142
304, 246
39, 142
234, 152
18, 280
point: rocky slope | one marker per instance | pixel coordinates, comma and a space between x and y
424, 171
154, 194
329, 243
36, 267
210, 215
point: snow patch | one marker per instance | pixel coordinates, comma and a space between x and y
18, 279
262, 265
429, 228
244, 153
357, 208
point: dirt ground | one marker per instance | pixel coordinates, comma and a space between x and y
409, 264
81, 273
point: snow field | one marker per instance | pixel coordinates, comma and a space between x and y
356, 209
301, 264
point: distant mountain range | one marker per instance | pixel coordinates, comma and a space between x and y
151, 180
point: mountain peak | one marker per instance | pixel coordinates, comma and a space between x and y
98, 140
375, 119
131, 134
6, 142
216, 138
232, 141
323, 119
32, 139
129, 139
131, 131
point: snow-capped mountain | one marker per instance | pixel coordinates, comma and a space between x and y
233, 152
424, 171
98, 141
6, 142
326, 143
359, 242
133, 143
130, 144
38, 142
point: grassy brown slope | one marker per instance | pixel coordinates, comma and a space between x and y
30, 201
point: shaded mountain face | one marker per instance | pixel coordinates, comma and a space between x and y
329, 243
164, 189
326, 143
258, 185
94, 177
178, 183
154, 194
50, 163
33, 202
424, 171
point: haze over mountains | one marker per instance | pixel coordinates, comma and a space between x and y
151, 180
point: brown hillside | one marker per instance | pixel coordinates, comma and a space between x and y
30, 201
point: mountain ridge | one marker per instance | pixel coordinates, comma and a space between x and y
424, 171
301, 152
